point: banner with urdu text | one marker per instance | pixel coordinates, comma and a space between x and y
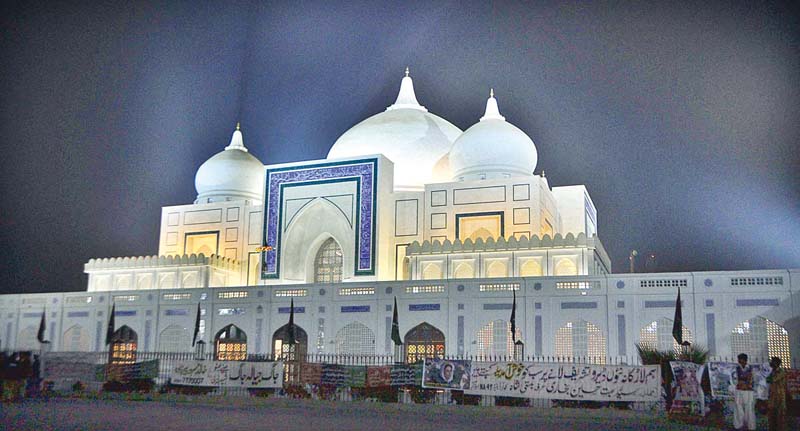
228, 373
585, 382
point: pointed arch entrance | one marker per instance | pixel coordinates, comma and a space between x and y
422, 341
290, 353
123, 345
230, 344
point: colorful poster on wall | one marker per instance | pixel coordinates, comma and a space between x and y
685, 386
722, 376
406, 375
310, 373
72, 366
446, 373
228, 373
379, 376
566, 381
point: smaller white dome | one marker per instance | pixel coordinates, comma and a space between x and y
232, 174
492, 148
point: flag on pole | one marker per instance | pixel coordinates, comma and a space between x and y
110, 329
196, 325
514, 317
677, 323
396, 326
42, 327
291, 339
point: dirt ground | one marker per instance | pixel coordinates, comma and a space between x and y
286, 414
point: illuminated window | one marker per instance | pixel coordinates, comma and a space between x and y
498, 287
581, 340
663, 283
232, 294
431, 271
320, 335
566, 266
434, 288
658, 335
422, 341
355, 339
494, 339
497, 269
290, 353
230, 344
760, 339
464, 270
126, 298
347, 291
76, 339
123, 346
174, 338
576, 285
531, 268
328, 263
206, 243
176, 296
290, 293
483, 226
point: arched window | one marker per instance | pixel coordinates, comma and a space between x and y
76, 339
464, 270
174, 338
658, 335
760, 339
494, 339
581, 339
431, 271
123, 345
566, 266
290, 353
282, 349
329, 263
531, 268
355, 339
422, 341
230, 344
26, 339
497, 269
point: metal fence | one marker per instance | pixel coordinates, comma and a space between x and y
90, 368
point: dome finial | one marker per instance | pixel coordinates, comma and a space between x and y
492, 111
238, 126
237, 142
406, 99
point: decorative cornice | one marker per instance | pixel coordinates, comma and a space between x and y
214, 260
501, 244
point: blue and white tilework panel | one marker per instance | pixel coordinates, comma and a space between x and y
363, 172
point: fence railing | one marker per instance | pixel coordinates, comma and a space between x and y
93, 365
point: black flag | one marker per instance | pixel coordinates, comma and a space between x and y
42, 327
196, 325
396, 326
291, 339
110, 329
514, 318
677, 324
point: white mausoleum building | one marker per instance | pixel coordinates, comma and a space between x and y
452, 223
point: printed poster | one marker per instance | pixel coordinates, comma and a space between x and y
566, 381
446, 373
228, 373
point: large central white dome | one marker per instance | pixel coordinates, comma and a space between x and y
406, 133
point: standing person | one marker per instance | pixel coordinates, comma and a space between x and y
744, 413
777, 396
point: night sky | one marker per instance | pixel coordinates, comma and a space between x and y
683, 121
